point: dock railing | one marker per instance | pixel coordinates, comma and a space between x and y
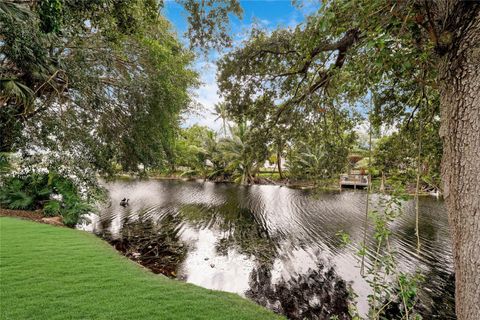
353, 180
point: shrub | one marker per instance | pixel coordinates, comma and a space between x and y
55, 194
52, 208
23, 192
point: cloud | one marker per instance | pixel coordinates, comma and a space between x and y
264, 22
207, 95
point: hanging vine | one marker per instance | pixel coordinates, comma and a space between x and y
369, 188
417, 187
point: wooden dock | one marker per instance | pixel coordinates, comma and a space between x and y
354, 181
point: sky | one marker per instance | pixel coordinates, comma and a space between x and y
268, 14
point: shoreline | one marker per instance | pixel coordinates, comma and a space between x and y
294, 184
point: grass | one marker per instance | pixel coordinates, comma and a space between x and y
269, 175
51, 272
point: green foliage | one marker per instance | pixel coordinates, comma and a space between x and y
23, 192
101, 96
20, 93
237, 156
12, 10
222, 114
102, 81
192, 149
394, 293
244, 152
317, 162
5, 165
15, 198
50, 13
52, 208
344, 238
388, 284
368, 54
408, 290
319, 149
208, 22
56, 195
396, 155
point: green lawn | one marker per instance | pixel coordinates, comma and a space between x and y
50, 272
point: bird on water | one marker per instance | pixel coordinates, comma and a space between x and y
124, 202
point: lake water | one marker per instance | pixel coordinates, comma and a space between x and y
275, 245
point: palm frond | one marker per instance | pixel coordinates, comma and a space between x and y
14, 89
20, 200
15, 11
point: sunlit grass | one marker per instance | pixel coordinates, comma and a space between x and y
50, 272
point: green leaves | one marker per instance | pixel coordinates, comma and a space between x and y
389, 285
16, 199
14, 11
14, 196
56, 195
194, 145
238, 156
103, 82
51, 17
344, 238
209, 21
5, 165
52, 208
241, 157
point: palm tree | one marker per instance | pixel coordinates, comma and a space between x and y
238, 155
221, 113
12, 90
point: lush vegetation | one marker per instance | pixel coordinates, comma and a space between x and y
95, 87
89, 88
237, 156
43, 278
81, 82
56, 195
108, 97
317, 154
304, 86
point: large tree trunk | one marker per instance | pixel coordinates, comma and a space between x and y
459, 78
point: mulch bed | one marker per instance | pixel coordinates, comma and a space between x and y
36, 215
30, 215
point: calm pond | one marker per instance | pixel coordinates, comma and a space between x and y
275, 245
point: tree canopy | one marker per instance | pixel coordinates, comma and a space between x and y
99, 83
417, 61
